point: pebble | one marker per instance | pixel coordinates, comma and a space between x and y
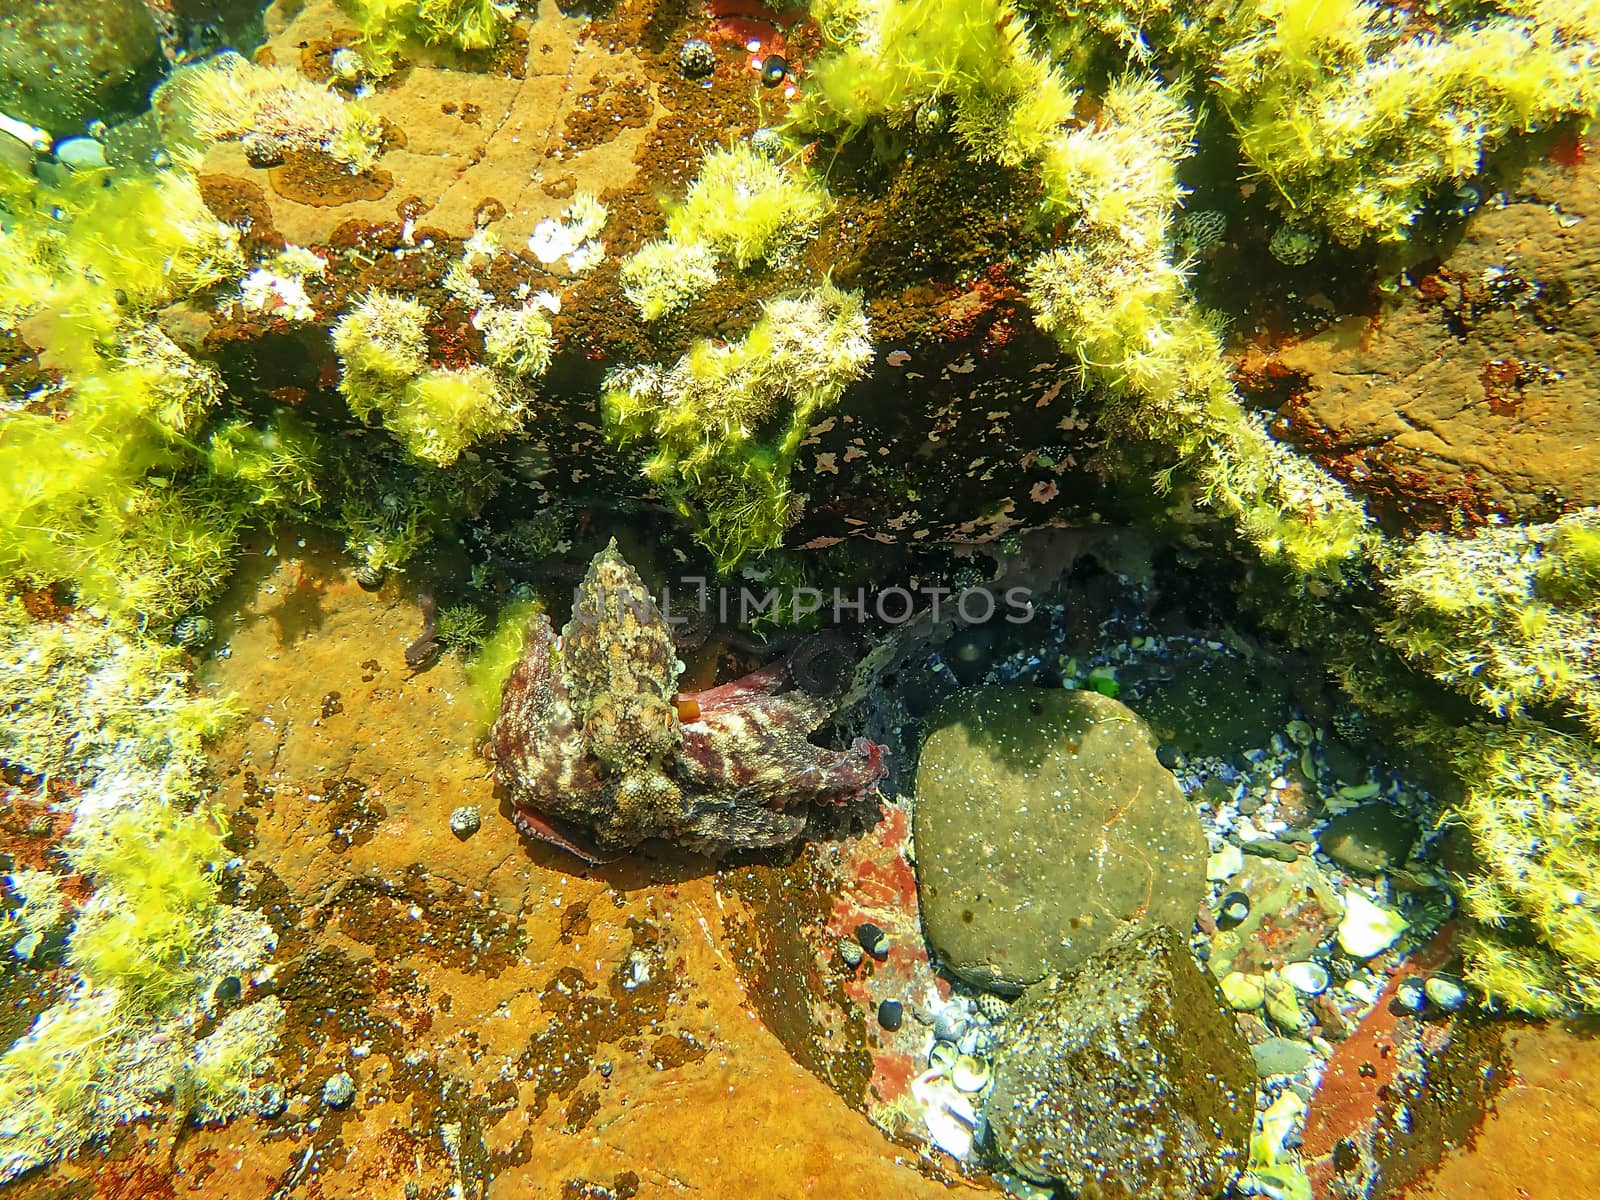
850, 953
1445, 993
339, 1091
1272, 848
1242, 991
1369, 839
873, 940
81, 153
1225, 863
465, 821
27, 946
1283, 1005
1348, 766
891, 1013
271, 1102
1410, 995
1280, 1056
1368, 928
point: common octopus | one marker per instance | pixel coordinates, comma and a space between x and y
599, 751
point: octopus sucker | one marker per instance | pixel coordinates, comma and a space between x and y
599, 751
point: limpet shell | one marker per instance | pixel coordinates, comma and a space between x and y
970, 1074
1307, 978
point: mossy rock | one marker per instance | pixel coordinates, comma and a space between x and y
1127, 1079
68, 62
1045, 827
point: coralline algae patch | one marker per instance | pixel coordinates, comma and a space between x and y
877, 904
513, 1024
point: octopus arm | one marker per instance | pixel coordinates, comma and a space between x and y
537, 743
744, 760
715, 827
759, 685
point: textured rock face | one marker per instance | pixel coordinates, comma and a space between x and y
1126, 1080
1477, 392
1293, 910
64, 63
1044, 828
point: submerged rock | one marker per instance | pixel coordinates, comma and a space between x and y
67, 62
1212, 703
1369, 839
1293, 909
1127, 1079
1045, 827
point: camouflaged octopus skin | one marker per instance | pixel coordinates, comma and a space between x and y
596, 757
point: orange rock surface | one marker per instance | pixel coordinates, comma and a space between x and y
517, 1024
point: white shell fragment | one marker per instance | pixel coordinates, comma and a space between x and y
1368, 928
1307, 978
951, 1120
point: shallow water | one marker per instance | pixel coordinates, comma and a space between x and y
912, 380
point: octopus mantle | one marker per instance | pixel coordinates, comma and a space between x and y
599, 752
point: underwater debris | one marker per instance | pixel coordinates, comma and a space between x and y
597, 755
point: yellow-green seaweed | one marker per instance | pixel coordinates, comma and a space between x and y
725, 422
